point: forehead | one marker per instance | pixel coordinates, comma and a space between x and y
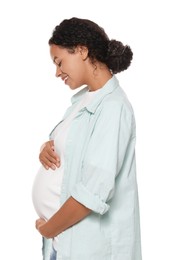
57, 51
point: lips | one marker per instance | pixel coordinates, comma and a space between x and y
64, 78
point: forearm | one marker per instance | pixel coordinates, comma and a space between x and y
69, 214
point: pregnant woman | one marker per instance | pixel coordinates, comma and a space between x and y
88, 206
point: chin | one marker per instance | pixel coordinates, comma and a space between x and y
74, 87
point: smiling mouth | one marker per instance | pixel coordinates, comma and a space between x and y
64, 79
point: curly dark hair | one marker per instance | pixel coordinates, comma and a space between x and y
75, 31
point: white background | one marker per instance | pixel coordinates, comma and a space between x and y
32, 101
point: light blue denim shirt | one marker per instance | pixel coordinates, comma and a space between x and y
100, 173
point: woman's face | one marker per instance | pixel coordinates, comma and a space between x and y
70, 67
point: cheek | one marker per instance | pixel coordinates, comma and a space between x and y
69, 68
76, 69
77, 77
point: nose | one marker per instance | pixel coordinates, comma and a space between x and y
58, 72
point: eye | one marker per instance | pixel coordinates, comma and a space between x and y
57, 63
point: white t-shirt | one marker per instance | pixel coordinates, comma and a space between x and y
47, 184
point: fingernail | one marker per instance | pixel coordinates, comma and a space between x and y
58, 164
53, 167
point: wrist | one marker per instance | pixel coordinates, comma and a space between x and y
44, 231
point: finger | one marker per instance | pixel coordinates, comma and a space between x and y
45, 166
46, 157
49, 152
45, 162
52, 166
58, 164
53, 154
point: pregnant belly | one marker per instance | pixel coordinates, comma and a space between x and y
46, 191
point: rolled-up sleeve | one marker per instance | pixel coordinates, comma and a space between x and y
104, 157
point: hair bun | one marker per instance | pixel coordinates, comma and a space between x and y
115, 48
119, 56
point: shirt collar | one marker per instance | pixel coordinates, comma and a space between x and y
108, 88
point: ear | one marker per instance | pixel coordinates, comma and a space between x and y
83, 50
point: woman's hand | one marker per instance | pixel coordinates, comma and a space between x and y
39, 226
40, 222
48, 156
70, 213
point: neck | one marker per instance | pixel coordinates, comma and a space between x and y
98, 78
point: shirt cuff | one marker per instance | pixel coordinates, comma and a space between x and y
89, 200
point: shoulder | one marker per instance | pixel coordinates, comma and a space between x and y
117, 102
